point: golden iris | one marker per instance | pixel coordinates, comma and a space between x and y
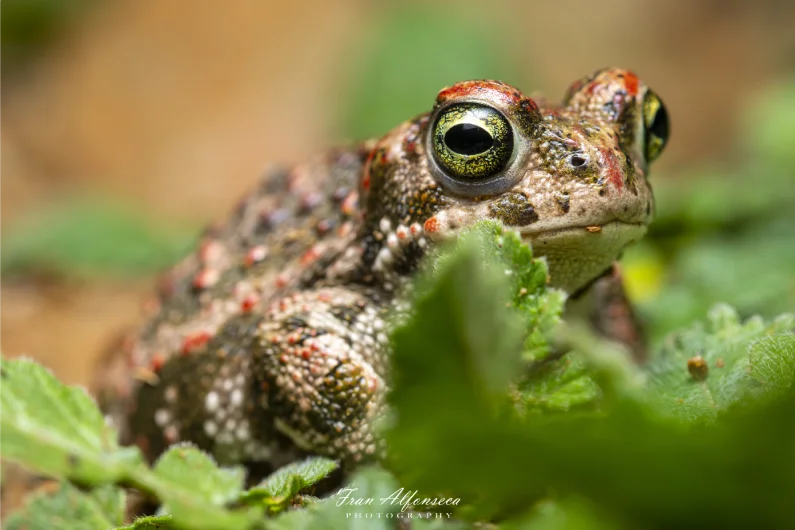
655, 122
472, 141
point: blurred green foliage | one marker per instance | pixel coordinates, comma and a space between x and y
414, 50
60, 432
92, 237
27, 26
725, 235
69, 508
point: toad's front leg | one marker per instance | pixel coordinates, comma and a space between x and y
305, 377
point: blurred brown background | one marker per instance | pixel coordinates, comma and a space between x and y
174, 108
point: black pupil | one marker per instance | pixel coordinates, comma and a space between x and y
659, 127
468, 139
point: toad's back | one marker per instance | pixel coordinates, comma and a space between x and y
281, 238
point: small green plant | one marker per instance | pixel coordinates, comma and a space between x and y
496, 407
59, 431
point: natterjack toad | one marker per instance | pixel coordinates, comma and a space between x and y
270, 340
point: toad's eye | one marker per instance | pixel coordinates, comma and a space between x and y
472, 142
655, 124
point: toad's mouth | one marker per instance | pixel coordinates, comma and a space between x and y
614, 226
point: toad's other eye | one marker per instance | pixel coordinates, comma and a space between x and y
472, 142
656, 126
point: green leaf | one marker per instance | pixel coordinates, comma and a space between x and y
772, 360
342, 511
196, 491
538, 305
558, 386
477, 262
306, 519
472, 350
58, 430
184, 464
69, 508
742, 361
278, 489
452, 362
151, 522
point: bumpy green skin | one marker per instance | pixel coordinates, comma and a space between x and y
270, 341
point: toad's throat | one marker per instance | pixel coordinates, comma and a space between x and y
577, 255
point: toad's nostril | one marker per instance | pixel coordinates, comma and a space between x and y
578, 161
